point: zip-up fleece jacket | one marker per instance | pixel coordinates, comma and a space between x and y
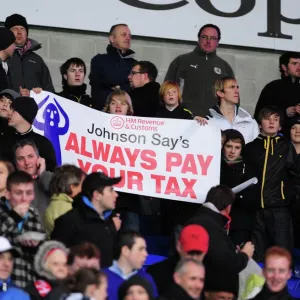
243, 122
265, 159
196, 72
29, 70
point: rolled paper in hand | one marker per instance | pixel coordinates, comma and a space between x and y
237, 189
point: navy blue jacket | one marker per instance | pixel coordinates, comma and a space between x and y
107, 71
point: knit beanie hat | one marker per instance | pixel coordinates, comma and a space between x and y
222, 281
16, 20
26, 107
293, 121
6, 38
10, 93
135, 280
45, 250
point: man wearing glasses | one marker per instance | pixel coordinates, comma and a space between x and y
145, 90
197, 71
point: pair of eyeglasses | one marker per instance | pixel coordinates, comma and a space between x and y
136, 72
205, 37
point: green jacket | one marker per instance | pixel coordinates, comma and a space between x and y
59, 205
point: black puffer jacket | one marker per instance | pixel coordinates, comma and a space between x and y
29, 70
265, 159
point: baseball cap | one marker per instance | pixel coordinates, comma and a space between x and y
11, 93
5, 246
94, 181
194, 238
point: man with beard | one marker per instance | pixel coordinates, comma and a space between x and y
283, 93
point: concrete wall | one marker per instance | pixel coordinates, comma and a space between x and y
253, 67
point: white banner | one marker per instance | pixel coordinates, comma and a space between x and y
270, 24
163, 158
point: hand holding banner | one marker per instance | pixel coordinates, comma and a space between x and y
163, 158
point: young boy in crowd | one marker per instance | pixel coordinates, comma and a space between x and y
73, 73
233, 173
265, 159
172, 108
177, 213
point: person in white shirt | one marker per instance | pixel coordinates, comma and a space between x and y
227, 114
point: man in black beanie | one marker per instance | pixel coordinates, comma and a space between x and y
27, 69
24, 111
135, 281
214, 216
225, 286
7, 48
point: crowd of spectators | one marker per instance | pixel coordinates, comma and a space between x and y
69, 235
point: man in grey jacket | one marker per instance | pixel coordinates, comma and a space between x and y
197, 71
27, 70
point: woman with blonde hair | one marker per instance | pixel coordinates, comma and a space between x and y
128, 205
118, 103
